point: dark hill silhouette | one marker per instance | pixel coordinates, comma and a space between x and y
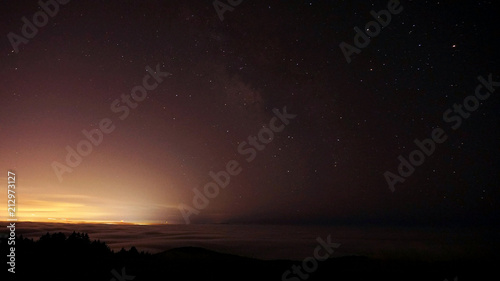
76, 257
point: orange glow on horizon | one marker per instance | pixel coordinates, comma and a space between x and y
81, 209
66, 221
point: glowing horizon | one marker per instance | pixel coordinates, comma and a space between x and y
82, 208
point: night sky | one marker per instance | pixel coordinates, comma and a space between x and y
218, 82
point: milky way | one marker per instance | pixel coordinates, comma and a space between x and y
94, 71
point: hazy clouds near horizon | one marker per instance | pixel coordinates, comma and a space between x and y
283, 242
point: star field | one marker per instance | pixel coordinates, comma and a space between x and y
353, 119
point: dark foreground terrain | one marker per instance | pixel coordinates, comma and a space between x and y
58, 257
